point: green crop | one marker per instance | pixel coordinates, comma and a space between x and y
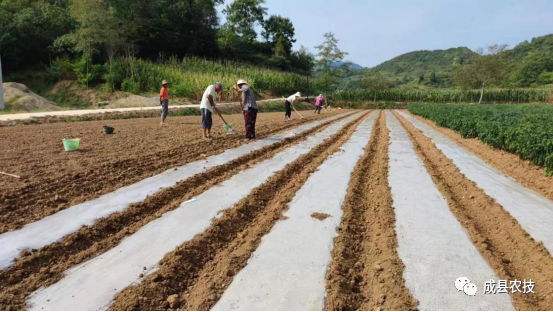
526, 130
445, 96
190, 76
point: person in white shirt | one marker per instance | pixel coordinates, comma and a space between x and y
289, 103
207, 105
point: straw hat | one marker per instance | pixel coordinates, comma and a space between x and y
164, 82
241, 81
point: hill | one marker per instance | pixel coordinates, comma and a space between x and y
417, 62
530, 64
351, 65
430, 68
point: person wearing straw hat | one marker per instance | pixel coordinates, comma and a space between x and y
164, 101
249, 108
319, 102
289, 103
207, 106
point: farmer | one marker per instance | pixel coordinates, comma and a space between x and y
207, 106
249, 108
319, 102
164, 101
289, 103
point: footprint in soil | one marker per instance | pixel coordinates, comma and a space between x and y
320, 216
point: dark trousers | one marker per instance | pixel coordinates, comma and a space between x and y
318, 109
288, 112
250, 116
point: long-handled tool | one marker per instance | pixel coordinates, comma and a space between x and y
11, 175
227, 126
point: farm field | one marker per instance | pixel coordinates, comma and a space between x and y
347, 210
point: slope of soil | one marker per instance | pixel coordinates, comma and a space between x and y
524, 172
19, 98
52, 179
507, 248
366, 272
200, 270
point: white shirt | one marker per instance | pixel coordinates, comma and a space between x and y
291, 98
210, 90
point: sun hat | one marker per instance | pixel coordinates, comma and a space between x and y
241, 81
164, 82
320, 95
298, 94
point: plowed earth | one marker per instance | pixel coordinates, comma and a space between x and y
365, 272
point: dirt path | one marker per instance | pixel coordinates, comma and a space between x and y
53, 180
366, 272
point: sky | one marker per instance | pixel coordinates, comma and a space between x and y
374, 31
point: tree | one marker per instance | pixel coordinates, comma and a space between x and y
377, 82
98, 29
329, 53
488, 67
28, 28
303, 62
242, 15
277, 28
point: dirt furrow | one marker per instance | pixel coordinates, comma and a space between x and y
366, 272
45, 191
524, 172
44, 267
197, 273
507, 248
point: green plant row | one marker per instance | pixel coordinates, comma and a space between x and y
189, 76
446, 96
526, 130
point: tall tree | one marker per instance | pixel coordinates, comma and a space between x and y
98, 30
328, 54
242, 16
487, 68
277, 28
28, 28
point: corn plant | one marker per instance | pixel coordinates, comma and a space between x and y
446, 96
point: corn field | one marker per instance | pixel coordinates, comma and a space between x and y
525, 130
447, 96
190, 76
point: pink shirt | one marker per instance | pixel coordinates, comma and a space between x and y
319, 101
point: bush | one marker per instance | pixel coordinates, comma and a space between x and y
95, 72
129, 85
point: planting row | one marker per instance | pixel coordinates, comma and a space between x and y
525, 130
446, 96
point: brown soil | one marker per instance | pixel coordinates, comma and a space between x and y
319, 215
366, 272
507, 248
19, 98
52, 179
43, 267
200, 270
523, 171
